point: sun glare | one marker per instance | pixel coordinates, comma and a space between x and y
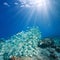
34, 3
39, 3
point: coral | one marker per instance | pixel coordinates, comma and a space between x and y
22, 44
28, 45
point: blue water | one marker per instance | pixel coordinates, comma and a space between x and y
14, 19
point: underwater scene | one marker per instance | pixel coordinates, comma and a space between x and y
28, 45
29, 29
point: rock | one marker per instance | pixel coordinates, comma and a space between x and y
51, 50
58, 49
53, 56
20, 58
53, 46
15, 58
26, 58
12, 58
47, 42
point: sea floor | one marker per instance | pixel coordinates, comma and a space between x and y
28, 45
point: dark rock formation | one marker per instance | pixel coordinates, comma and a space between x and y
58, 49
47, 42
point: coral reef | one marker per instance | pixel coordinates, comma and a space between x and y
51, 47
28, 45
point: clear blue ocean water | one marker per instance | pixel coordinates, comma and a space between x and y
14, 19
